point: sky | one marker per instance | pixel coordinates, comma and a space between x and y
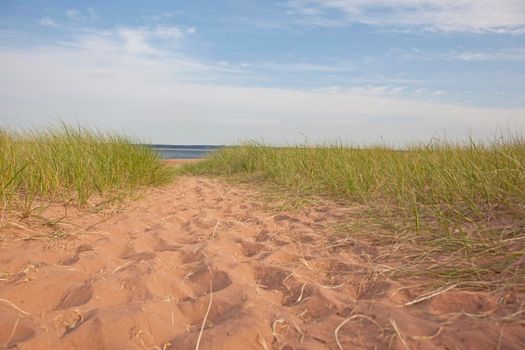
224, 72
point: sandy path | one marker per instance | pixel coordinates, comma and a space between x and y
142, 278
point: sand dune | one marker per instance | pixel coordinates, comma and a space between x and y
205, 261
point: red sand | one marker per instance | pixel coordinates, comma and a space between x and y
141, 279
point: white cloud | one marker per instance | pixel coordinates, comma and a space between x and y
135, 40
499, 16
169, 32
72, 14
508, 55
304, 67
121, 79
105, 79
512, 54
47, 22
129, 40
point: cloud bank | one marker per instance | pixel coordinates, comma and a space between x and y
119, 79
479, 16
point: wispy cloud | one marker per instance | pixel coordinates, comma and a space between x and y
169, 32
508, 55
154, 47
88, 14
131, 40
115, 78
47, 22
135, 40
501, 16
305, 67
513, 54
72, 13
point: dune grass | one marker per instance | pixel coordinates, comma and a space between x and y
459, 207
64, 163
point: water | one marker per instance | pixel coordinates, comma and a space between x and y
184, 151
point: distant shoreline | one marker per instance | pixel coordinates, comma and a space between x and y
184, 151
169, 146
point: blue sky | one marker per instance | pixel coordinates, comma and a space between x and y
225, 71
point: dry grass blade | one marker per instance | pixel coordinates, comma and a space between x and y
274, 331
353, 317
215, 229
430, 295
329, 287
122, 267
301, 294
262, 341
399, 334
428, 337
205, 318
15, 307
11, 335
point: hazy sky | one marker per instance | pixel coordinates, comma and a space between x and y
214, 72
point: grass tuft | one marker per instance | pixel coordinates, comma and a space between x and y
64, 163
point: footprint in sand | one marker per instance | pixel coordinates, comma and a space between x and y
221, 312
189, 257
250, 249
273, 278
200, 223
69, 260
14, 330
76, 296
262, 236
130, 254
84, 248
202, 278
163, 246
139, 256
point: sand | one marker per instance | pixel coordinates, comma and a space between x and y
205, 261
178, 162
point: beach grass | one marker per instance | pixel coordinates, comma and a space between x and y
457, 208
64, 164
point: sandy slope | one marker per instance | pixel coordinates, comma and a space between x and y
141, 279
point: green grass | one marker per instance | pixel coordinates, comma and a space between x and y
459, 206
64, 163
